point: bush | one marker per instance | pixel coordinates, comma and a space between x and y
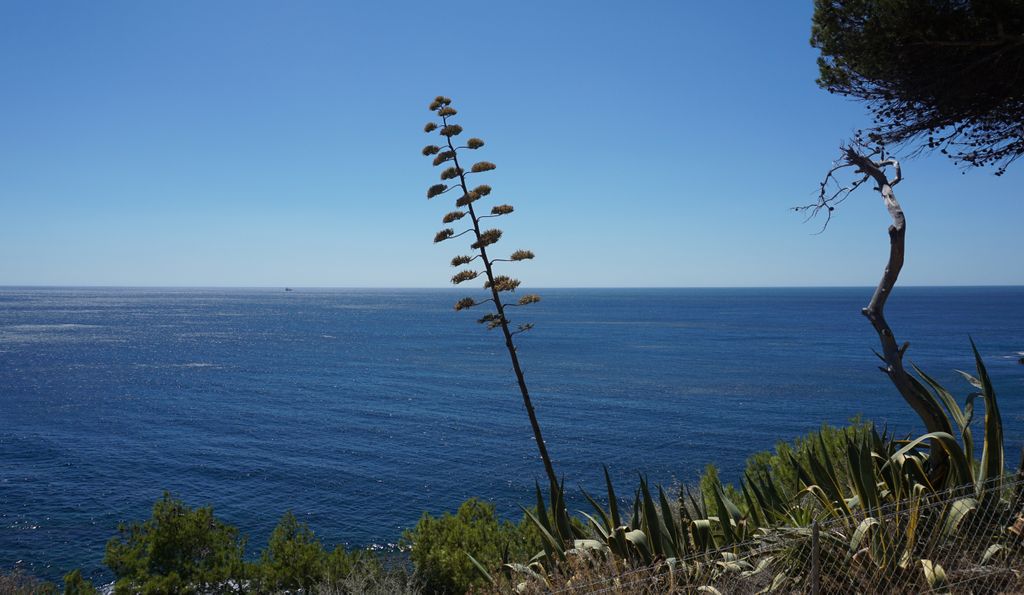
441, 546
184, 550
178, 550
74, 584
295, 559
777, 466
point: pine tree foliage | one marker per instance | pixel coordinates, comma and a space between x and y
940, 75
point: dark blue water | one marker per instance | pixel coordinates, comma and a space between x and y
360, 409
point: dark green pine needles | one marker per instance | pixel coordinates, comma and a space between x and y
455, 177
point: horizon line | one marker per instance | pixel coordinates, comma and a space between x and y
441, 287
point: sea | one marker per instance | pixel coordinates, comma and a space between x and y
361, 409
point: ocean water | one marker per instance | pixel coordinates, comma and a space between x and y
360, 409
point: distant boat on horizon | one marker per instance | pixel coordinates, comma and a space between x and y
288, 289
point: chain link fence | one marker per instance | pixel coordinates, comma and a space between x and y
967, 540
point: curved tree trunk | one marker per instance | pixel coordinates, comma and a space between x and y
926, 407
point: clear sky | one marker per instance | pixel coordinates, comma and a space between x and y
251, 143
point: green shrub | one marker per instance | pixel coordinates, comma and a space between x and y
178, 550
74, 584
441, 546
776, 464
294, 558
184, 550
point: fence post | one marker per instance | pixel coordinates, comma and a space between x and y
815, 560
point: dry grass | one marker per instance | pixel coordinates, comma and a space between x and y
19, 583
369, 579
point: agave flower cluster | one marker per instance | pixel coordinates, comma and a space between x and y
455, 177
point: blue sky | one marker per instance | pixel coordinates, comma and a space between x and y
249, 143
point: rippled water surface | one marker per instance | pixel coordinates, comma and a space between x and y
360, 409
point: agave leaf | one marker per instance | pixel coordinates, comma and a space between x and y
677, 541
620, 545
730, 506
969, 407
862, 531
779, 583
605, 525
634, 520
992, 551
540, 558
971, 379
934, 575
724, 517
734, 565
947, 398
774, 493
703, 537
762, 565
961, 466
563, 524
913, 468
913, 519
830, 467
542, 511
992, 451
771, 508
531, 571
803, 478
958, 511
862, 472
878, 441
651, 523
482, 570
613, 502
892, 477
598, 527
639, 539
926, 396
698, 510
961, 417
756, 513
552, 546
523, 569
822, 498
589, 544
823, 479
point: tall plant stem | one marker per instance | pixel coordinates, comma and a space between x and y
509, 344
918, 398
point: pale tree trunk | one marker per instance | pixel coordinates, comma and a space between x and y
926, 407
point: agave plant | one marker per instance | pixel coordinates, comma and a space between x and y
890, 525
885, 524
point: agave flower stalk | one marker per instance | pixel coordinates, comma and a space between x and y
454, 178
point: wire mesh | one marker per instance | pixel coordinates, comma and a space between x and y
966, 540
